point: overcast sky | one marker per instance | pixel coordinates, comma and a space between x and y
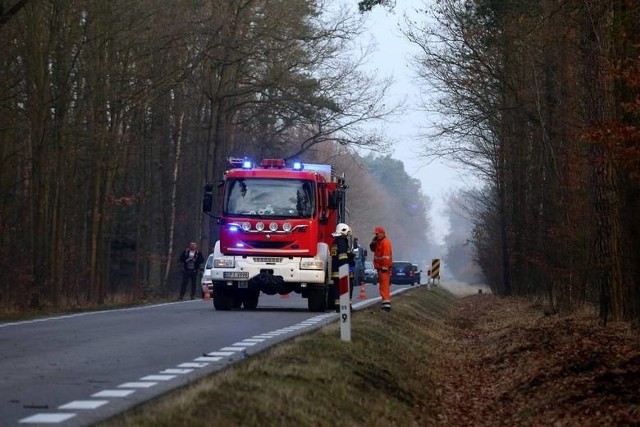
392, 57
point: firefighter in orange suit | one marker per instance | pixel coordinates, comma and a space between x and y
340, 255
382, 260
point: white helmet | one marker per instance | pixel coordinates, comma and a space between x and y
342, 229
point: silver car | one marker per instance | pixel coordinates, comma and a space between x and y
370, 273
206, 282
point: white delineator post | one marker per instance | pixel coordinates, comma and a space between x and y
345, 312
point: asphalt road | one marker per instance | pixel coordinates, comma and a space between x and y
78, 369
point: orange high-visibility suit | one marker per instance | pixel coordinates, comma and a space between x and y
382, 260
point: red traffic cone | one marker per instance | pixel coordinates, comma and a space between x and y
363, 291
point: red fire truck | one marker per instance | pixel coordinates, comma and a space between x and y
275, 224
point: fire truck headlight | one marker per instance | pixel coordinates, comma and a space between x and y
224, 263
246, 226
260, 226
273, 226
233, 228
311, 264
286, 226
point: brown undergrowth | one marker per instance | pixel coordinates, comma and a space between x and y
508, 364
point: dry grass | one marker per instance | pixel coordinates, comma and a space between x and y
434, 360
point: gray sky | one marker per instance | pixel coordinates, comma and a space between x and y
392, 58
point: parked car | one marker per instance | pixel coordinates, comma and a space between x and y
417, 273
370, 273
206, 282
402, 273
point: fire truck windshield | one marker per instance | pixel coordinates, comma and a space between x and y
287, 198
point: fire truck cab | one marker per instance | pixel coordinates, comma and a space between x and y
275, 226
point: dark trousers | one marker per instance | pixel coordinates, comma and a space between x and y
334, 292
189, 275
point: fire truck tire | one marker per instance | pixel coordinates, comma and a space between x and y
237, 301
317, 299
250, 300
223, 299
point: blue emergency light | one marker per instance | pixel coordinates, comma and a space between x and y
298, 166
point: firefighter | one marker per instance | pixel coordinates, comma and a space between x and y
340, 255
382, 260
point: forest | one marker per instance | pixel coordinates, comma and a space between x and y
542, 100
114, 115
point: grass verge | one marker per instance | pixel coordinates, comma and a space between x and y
434, 360
381, 377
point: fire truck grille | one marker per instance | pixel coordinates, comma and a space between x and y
267, 259
269, 245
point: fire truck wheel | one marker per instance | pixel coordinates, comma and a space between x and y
223, 299
317, 299
251, 303
237, 301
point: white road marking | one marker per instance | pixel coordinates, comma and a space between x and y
221, 353
176, 371
192, 365
244, 344
47, 418
113, 393
138, 384
207, 359
165, 375
83, 404
87, 313
157, 378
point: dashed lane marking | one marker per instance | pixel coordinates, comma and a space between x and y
169, 374
113, 393
192, 365
176, 371
138, 384
208, 359
244, 344
83, 404
46, 418
221, 353
158, 378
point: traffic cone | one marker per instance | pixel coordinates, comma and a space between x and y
363, 291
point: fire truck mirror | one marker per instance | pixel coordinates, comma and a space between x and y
207, 199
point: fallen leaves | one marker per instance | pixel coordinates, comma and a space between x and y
507, 363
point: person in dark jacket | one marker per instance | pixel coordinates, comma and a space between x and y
340, 255
191, 259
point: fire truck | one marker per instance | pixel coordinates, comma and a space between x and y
275, 224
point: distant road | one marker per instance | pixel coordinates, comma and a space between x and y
78, 369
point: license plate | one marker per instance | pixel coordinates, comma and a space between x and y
400, 274
235, 275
